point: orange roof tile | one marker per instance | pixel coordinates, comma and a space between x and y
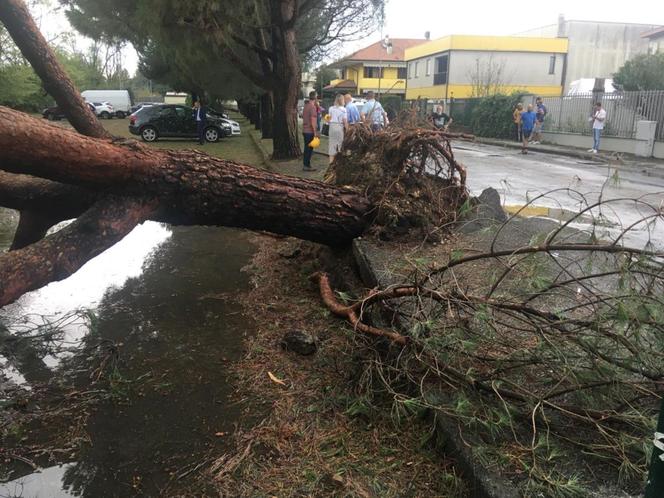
376, 52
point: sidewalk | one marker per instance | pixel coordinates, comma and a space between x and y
292, 167
644, 164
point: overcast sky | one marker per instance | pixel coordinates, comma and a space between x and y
411, 18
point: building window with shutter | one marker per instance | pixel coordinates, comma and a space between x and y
552, 64
372, 72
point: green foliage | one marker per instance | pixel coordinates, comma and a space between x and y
324, 75
492, 116
643, 72
20, 88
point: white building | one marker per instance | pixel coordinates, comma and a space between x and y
596, 49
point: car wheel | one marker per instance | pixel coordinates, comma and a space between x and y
50, 117
149, 134
120, 115
211, 135
105, 115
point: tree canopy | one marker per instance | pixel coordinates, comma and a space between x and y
228, 48
643, 72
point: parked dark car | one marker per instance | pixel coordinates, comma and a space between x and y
55, 114
170, 120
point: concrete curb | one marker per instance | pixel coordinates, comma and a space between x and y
546, 150
267, 157
483, 484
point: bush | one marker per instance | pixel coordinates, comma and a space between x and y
492, 116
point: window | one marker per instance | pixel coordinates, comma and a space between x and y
552, 64
440, 70
372, 72
428, 70
417, 69
167, 112
402, 73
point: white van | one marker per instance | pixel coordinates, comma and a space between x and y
119, 99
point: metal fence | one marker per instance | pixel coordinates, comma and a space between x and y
623, 111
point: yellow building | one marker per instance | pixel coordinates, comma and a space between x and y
467, 66
376, 67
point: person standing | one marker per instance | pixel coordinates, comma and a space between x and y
516, 117
352, 113
539, 123
338, 124
528, 119
309, 129
440, 120
373, 113
200, 116
597, 119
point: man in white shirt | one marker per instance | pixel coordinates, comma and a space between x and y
373, 113
597, 120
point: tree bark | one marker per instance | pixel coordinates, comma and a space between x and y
267, 116
183, 187
61, 254
194, 188
288, 74
19, 23
23, 30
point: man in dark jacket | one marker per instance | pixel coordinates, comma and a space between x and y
200, 112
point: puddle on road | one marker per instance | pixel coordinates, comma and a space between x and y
49, 482
165, 298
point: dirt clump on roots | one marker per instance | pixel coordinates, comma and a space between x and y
409, 174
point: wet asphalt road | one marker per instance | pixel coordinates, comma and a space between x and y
520, 178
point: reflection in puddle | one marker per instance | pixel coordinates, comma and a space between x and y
46, 483
175, 325
56, 305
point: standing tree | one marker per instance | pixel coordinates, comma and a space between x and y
488, 77
643, 72
263, 40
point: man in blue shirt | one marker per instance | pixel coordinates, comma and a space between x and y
528, 119
352, 114
373, 113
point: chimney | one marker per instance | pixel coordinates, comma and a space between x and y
561, 26
427, 35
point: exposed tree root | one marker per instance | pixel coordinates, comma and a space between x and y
350, 313
410, 175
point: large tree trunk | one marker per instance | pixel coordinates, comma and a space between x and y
287, 71
111, 187
22, 28
285, 141
179, 187
37, 219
